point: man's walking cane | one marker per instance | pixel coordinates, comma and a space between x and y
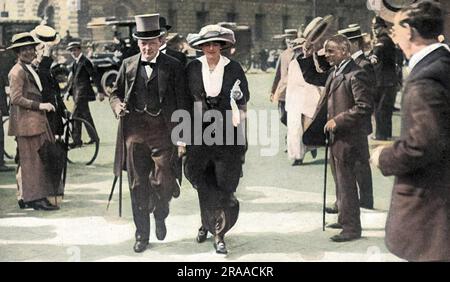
327, 137
120, 173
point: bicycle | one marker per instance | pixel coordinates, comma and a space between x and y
83, 153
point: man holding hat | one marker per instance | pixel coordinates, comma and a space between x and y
164, 48
150, 87
80, 88
29, 124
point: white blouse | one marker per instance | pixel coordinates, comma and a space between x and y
212, 80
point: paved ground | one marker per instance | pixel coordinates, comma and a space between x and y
280, 217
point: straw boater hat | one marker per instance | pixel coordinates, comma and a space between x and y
23, 39
73, 45
46, 34
147, 27
212, 33
352, 32
317, 28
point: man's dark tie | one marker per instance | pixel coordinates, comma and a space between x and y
152, 65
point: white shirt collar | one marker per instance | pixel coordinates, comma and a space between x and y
341, 67
419, 56
357, 54
77, 59
152, 61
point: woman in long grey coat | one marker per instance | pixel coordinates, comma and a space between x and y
217, 86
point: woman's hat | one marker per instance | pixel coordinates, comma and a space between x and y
46, 34
352, 32
23, 39
163, 24
212, 33
147, 27
73, 45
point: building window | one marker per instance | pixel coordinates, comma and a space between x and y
202, 17
232, 17
172, 18
259, 26
285, 22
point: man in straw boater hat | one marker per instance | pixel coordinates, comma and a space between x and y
29, 125
80, 88
51, 93
148, 90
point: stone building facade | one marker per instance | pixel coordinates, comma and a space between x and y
266, 18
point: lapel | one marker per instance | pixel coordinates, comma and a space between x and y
131, 74
30, 76
79, 66
163, 75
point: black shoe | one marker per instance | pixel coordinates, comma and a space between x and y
345, 237
23, 205
44, 205
202, 235
331, 210
335, 225
90, 142
220, 248
140, 246
314, 153
297, 162
75, 145
160, 229
4, 168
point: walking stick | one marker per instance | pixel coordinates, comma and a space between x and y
325, 181
112, 191
118, 177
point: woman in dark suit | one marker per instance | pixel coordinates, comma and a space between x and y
218, 87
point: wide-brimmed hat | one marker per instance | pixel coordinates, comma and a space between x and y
163, 24
23, 39
212, 33
73, 45
352, 32
147, 27
317, 28
46, 34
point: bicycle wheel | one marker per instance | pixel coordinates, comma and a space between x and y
86, 151
10, 142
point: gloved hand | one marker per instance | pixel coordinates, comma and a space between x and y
236, 92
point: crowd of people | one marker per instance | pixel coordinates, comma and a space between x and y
332, 84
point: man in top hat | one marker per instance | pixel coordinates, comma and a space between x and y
164, 48
29, 125
80, 88
150, 87
363, 171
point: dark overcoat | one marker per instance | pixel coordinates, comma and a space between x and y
80, 80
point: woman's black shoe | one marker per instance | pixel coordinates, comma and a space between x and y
221, 248
201, 235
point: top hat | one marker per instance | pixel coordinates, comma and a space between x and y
352, 32
147, 27
73, 45
317, 28
212, 33
163, 24
23, 39
46, 34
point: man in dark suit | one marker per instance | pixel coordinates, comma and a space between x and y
149, 89
181, 57
384, 59
348, 100
362, 168
418, 222
80, 88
